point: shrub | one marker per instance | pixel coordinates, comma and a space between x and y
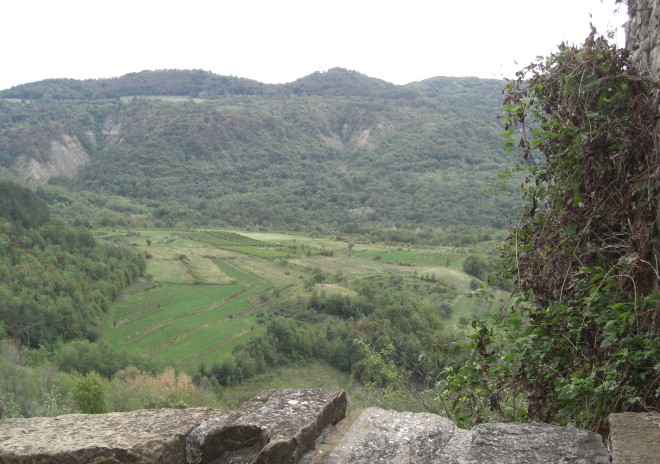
581, 340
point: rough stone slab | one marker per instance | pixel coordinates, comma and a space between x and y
278, 426
330, 438
147, 436
379, 436
635, 438
535, 443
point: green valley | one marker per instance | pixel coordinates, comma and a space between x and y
207, 291
332, 150
255, 232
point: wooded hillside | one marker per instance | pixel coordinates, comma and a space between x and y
56, 281
335, 147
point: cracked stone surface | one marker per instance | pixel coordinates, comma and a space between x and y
278, 426
380, 436
147, 436
290, 426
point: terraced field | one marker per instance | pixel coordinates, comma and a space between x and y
207, 291
446, 256
195, 308
400, 256
180, 323
239, 243
368, 253
442, 256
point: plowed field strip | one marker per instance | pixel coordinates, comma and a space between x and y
215, 346
125, 321
204, 309
178, 339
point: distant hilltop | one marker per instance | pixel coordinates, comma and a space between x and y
204, 84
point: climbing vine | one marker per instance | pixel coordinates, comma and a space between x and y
581, 340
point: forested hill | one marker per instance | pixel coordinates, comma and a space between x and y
204, 84
200, 149
168, 82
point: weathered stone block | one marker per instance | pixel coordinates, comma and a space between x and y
379, 436
148, 436
635, 438
278, 426
534, 443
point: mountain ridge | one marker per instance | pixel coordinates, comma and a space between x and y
197, 83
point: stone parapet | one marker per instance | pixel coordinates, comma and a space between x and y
288, 426
152, 436
379, 436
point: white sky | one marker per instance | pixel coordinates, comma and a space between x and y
276, 41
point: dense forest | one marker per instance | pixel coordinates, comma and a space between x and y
56, 281
331, 148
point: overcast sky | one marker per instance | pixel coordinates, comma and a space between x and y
276, 41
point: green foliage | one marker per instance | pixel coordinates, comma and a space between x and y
476, 379
54, 402
203, 84
32, 385
56, 282
378, 319
476, 266
339, 82
21, 206
89, 394
83, 357
85, 208
446, 309
11, 408
341, 305
189, 83
581, 340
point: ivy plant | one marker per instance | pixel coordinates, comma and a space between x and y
580, 339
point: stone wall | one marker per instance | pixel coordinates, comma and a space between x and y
643, 36
288, 426
643, 42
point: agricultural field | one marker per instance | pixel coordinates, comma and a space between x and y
193, 304
450, 257
207, 291
369, 253
239, 243
400, 256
